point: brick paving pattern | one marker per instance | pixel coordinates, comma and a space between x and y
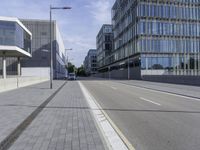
18, 104
65, 123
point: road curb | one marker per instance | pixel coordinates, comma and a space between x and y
153, 89
112, 134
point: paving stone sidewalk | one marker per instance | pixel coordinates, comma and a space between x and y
16, 105
64, 124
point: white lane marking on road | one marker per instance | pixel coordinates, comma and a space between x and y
152, 90
113, 136
114, 88
195, 99
102, 83
142, 98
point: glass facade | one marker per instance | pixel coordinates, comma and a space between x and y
90, 62
104, 44
166, 35
157, 27
12, 34
169, 45
178, 64
175, 10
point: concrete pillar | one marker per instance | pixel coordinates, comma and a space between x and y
195, 63
199, 63
185, 62
18, 67
4, 66
174, 64
178, 64
188, 58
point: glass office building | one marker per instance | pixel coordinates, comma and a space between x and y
104, 44
157, 37
39, 64
15, 43
12, 34
90, 62
36, 44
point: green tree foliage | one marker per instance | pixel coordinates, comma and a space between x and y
81, 71
71, 68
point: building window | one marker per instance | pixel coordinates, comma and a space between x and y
44, 33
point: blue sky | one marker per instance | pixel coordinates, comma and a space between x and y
78, 26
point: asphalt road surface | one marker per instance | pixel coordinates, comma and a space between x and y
150, 120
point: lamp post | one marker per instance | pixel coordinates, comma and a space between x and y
51, 59
128, 67
66, 56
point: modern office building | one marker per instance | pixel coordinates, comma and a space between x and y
156, 38
104, 44
90, 62
39, 64
15, 43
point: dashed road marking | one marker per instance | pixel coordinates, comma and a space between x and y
114, 88
163, 92
147, 100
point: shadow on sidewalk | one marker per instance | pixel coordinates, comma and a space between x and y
105, 109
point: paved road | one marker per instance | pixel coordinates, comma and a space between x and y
150, 120
192, 91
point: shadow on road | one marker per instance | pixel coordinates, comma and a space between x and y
105, 109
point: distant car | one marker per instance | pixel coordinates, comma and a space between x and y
72, 76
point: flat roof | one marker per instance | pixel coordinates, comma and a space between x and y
37, 20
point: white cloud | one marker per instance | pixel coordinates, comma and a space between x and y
78, 26
80, 41
80, 46
101, 10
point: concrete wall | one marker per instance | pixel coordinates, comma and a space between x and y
13, 83
187, 80
121, 74
35, 72
135, 73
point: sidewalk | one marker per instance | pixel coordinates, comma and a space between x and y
18, 104
65, 123
186, 90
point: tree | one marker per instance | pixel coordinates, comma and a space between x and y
81, 71
71, 68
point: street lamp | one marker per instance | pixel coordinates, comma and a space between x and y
66, 56
70, 49
51, 59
